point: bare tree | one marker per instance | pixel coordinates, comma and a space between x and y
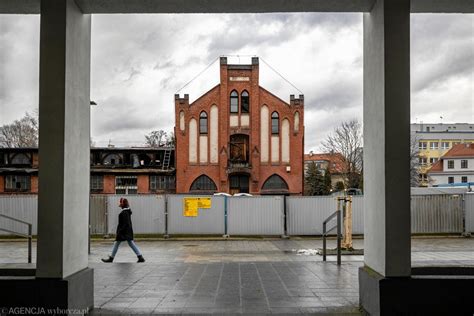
20, 133
156, 138
414, 162
170, 140
347, 140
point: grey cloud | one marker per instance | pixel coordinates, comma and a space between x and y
442, 47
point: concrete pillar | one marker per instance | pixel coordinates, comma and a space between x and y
387, 138
64, 123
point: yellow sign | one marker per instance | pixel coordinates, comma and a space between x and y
192, 204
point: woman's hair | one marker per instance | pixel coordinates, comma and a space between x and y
124, 202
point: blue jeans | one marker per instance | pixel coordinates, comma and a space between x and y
132, 245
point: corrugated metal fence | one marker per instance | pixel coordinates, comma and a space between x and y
208, 222
437, 214
256, 216
260, 215
22, 207
148, 213
469, 211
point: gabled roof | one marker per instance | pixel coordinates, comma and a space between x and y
457, 151
436, 167
460, 150
335, 161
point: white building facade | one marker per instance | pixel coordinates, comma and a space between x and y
456, 167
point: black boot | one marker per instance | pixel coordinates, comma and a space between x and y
109, 259
140, 258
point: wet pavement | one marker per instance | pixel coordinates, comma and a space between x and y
237, 276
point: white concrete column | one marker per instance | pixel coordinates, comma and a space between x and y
387, 137
64, 133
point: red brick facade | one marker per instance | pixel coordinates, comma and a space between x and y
240, 135
20, 166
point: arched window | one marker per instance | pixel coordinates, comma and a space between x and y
112, 159
275, 183
20, 159
234, 102
203, 183
244, 102
203, 123
275, 123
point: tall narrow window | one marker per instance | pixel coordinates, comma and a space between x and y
203, 123
275, 123
234, 102
245, 103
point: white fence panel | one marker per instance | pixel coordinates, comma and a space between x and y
22, 207
208, 222
263, 215
148, 213
469, 208
305, 214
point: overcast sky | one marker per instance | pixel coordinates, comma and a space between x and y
140, 61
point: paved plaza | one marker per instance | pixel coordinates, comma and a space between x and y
237, 276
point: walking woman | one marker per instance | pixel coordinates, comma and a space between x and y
124, 232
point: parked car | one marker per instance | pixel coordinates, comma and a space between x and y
354, 191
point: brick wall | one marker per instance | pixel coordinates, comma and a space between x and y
259, 172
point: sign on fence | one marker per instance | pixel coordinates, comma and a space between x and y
193, 204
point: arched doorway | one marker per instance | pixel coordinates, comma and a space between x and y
238, 183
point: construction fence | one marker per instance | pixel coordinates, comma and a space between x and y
245, 216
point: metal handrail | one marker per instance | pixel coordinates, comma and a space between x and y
29, 235
336, 214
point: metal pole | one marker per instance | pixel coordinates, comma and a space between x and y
338, 237
225, 217
285, 217
30, 231
324, 241
166, 217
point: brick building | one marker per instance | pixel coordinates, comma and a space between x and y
239, 137
332, 162
113, 170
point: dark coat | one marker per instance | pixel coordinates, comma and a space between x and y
124, 228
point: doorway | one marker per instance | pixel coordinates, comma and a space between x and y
239, 183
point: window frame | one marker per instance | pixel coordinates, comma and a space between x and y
247, 98
443, 145
450, 164
7, 183
234, 95
464, 178
450, 180
464, 164
162, 182
96, 183
210, 185
432, 147
203, 117
422, 145
275, 119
